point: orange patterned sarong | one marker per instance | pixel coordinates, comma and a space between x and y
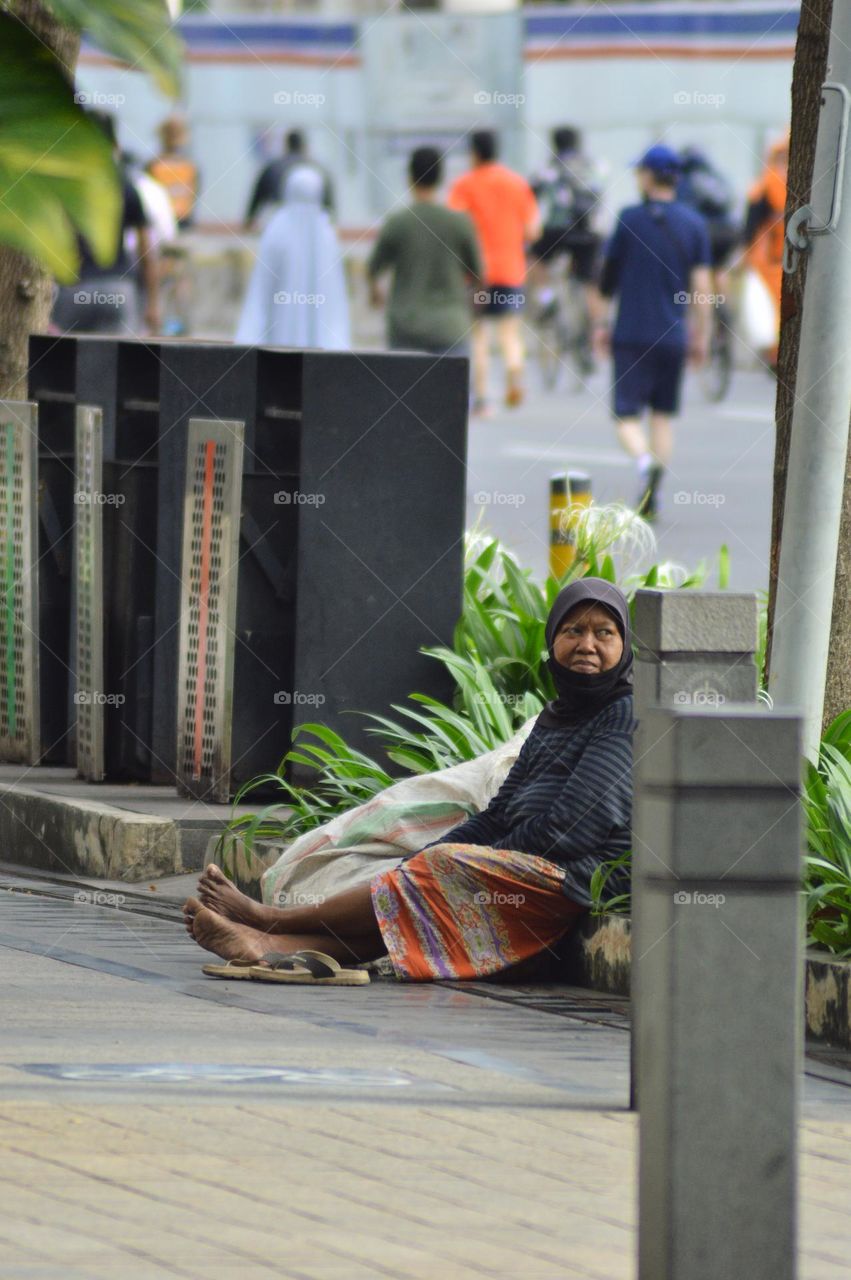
462, 911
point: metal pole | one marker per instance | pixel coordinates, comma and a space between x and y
819, 442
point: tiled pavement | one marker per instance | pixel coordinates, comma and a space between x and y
410, 1132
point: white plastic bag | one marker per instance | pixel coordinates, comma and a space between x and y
353, 847
759, 317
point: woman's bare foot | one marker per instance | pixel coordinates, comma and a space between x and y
226, 938
191, 907
223, 897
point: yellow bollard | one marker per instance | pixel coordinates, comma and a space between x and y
567, 490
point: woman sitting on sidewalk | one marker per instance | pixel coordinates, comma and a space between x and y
510, 881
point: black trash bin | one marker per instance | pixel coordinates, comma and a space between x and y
350, 554
53, 377
349, 504
131, 551
108, 635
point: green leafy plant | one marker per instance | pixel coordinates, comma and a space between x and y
602, 902
482, 718
827, 873
343, 779
140, 34
57, 174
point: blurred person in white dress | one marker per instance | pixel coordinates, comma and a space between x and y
297, 292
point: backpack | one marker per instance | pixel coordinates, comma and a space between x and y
566, 192
707, 192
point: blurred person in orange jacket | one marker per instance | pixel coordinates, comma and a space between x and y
765, 230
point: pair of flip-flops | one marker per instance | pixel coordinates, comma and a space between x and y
307, 967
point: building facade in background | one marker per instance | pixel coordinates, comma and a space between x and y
366, 89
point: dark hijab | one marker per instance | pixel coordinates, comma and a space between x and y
579, 696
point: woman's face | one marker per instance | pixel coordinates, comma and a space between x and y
588, 640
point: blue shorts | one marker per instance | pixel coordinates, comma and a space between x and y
647, 378
499, 299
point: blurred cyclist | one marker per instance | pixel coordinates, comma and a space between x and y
703, 188
568, 191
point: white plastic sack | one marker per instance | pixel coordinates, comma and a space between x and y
350, 849
759, 315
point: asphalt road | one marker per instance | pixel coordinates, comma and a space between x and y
718, 489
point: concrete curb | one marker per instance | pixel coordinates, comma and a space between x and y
243, 868
57, 833
597, 954
598, 957
827, 994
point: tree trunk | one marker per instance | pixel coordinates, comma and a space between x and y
809, 73
26, 289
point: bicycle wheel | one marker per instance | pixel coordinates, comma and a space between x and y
576, 335
717, 373
549, 353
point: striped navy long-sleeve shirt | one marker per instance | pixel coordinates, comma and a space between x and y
568, 799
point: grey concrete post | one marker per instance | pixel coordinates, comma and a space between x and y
695, 648
716, 873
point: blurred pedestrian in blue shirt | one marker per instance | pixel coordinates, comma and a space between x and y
657, 267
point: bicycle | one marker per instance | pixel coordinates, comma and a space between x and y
563, 334
717, 373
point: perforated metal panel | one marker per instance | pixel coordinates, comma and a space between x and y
19, 705
208, 607
89, 694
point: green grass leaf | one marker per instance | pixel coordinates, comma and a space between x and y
724, 567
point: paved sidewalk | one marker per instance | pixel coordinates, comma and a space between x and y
410, 1132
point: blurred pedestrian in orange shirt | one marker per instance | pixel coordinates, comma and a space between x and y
506, 217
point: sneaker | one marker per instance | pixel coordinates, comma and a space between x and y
513, 396
647, 505
585, 360
481, 408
